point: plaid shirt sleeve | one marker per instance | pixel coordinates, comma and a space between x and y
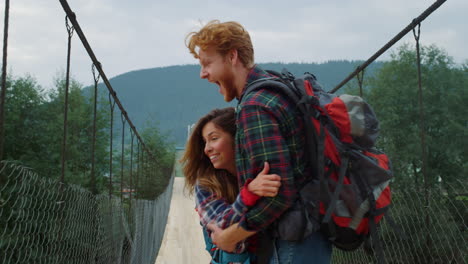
265, 124
212, 208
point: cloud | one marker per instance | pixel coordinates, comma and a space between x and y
128, 36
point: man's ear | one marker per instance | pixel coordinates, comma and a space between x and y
233, 56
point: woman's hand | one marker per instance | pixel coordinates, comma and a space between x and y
265, 184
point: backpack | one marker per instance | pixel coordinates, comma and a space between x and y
348, 192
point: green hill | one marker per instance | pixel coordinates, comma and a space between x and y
175, 96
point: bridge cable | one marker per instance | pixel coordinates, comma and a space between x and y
360, 79
111, 139
91, 54
137, 172
93, 151
132, 136
422, 127
402, 33
61, 197
70, 30
122, 156
4, 76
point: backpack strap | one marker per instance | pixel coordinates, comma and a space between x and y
373, 230
277, 84
208, 243
314, 149
281, 83
226, 258
296, 94
315, 143
332, 204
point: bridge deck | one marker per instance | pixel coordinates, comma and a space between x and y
183, 239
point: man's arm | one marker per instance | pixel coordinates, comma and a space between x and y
267, 132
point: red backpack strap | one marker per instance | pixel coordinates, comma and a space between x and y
308, 88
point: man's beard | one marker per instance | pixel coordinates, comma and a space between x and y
230, 91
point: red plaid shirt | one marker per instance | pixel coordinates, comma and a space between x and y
268, 129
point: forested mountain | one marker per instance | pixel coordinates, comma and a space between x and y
175, 96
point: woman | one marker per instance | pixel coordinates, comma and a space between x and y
210, 171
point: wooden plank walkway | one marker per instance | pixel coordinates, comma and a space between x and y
183, 239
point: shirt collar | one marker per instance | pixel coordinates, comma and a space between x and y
254, 74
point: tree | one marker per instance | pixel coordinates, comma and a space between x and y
34, 130
79, 134
394, 97
157, 171
23, 116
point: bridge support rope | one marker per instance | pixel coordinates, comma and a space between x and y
402, 33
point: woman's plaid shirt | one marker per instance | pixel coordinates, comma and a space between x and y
214, 209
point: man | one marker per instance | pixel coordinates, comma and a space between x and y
268, 129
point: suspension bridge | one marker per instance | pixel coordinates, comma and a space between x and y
130, 206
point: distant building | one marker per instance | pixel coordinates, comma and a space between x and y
189, 130
127, 191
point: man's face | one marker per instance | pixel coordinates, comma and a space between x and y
218, 69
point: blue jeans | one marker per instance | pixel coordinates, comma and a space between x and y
314, 249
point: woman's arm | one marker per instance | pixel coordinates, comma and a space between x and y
212, 208
265, 185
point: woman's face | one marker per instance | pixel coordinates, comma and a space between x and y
219, 147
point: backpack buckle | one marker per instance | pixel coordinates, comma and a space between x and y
311, 75
310, 100
287, 75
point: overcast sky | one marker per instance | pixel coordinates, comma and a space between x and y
129, 35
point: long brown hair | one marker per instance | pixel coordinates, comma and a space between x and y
197, 166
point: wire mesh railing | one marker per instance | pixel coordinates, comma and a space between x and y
97, 191
444, 240
40, 224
